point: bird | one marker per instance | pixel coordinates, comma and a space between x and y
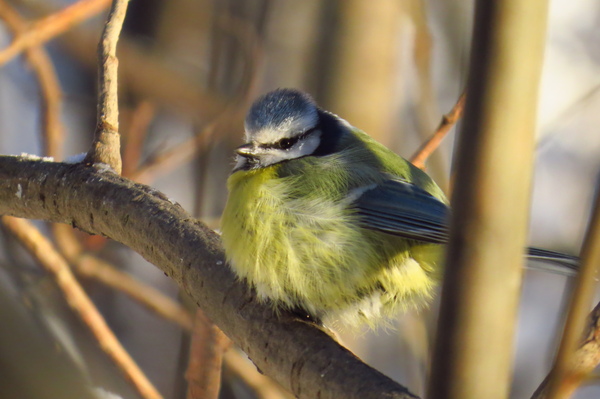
326, 222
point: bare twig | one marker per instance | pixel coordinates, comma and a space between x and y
41, 64
206, 358
583, 362
51, 26
572, 365
89, 266
447, 122
107, 141
248, 45
425, 106
47, 256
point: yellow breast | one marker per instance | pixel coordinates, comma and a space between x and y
309, 252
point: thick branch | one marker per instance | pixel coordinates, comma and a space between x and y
300, 356
480, 293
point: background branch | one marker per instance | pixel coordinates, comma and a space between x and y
51, 96
51, 26
447, 123
148, 75
45, 254
585, 359
206, 358
573, 365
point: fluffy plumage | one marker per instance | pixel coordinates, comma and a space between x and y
292, 227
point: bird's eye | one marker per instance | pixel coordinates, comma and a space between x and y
286, 144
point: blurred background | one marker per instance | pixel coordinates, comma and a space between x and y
188, 71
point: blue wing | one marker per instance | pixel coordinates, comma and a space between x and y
402, 209
399, 208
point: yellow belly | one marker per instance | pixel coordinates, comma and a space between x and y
309, 253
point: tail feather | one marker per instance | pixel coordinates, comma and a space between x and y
552, 261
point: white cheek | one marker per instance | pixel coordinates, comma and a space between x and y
301, 149
272, 156
305, 147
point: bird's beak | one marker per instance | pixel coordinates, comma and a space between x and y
247, 150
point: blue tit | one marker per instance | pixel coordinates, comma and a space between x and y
324, 220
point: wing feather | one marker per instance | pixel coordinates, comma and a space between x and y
399, 208
402, 209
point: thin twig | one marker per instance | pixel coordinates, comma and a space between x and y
571, 366
249, 46
51, 26
107, 141
448, 121
206, 358
51, 95
89, 266
46, 255
583, 362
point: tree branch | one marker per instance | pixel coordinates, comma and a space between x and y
299, 355
481, 288
575, 360
585, 359
107, 141
446, 124
207, 348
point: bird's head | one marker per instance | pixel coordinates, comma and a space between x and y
280, 126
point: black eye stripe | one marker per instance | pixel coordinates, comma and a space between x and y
287, 143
